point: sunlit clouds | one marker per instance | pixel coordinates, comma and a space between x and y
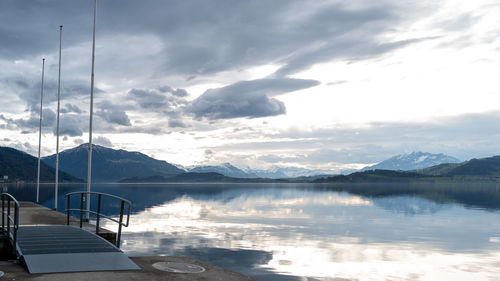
324, 85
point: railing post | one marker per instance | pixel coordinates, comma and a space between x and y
14, 220
99, 196
16, 225
120, 225
8, 216
3, 212
67, 208
81, 210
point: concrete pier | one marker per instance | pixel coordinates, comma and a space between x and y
34, 214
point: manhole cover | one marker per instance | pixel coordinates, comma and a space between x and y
178, 267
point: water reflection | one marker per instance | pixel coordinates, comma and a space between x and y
409, 205
316, 232
287, 233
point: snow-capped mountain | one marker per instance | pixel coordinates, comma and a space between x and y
229, 170
288, 172
413, 161
225, 169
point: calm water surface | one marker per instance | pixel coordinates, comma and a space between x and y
314, 232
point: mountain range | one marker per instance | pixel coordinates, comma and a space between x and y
229, 170
402, 162
225, 169
110, 165
288, 172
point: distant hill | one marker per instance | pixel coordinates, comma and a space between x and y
438, 170
110, 165
225, 169
485, 167
194, 177
412, 161
20, 166
377, 176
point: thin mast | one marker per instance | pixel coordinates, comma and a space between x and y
89, 163
40, 137
58, 109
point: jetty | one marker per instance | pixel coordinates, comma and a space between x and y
38, 243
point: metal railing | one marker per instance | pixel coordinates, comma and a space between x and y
10, 230
98, 213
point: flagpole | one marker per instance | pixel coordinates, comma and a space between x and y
89, 163
58, 110
40, 137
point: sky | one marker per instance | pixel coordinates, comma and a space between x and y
320, 84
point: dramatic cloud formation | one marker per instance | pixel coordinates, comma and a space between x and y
318, 84
247, 99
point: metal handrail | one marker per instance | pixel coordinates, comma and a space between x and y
14, 220
98, 212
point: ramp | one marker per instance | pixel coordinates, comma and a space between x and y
51, 249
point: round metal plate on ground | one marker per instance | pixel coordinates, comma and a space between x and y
178, 267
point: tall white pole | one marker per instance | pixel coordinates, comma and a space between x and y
58, 109
89, 163
40, 137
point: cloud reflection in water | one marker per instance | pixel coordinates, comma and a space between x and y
323, 235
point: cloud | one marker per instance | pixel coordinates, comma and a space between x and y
353, 50
24, 124
114, 116
208, 153
357, 154
23, 146
339, 82
148, 99
69, 108
463, 136
250, 99
163, 100
464, 21
286, 32
242, 34
32, 123
100, 140
154, 128
28, 90
176, 92
176, 124
71, 125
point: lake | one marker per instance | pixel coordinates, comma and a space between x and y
446, 231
